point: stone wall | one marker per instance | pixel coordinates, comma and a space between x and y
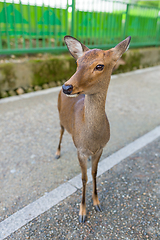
26, 74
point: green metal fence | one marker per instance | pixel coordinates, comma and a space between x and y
40, 25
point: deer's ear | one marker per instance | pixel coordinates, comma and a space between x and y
119, 49
75, 47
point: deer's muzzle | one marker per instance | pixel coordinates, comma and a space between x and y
67, 89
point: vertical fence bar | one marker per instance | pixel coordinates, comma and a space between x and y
55, 27
126, 21
156, 25
154, 22
14, 25
0, 34
143, 23
138, 36
112, 24
61, 20
117, 15
83, 21
104, 27
93, 23
36, 27
73, 18
158, 30
77, 21
150, 26
66, 18
101, 23
22, 25
109, 25
96, 27
88, 26
43, 31
141, 18
91, 26
29, 26
49, 24
7, 26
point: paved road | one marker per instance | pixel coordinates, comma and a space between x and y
129, 194
30, 130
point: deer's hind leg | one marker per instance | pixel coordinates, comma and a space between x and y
95, 160
58, 152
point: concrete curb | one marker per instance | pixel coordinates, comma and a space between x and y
29, 95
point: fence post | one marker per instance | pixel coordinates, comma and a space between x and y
7, 27
126, 21
158, 31
73, 18
66, 18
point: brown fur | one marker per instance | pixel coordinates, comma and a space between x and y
84, 116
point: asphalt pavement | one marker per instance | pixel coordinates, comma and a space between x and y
129, 194
29, 130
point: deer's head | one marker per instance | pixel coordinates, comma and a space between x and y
94, 67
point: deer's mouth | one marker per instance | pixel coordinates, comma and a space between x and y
73, 95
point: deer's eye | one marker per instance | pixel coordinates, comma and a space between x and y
99, 67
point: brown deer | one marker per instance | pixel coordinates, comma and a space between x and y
81, 105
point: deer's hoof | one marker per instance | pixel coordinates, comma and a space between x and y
57, 156
98, 208
82, 218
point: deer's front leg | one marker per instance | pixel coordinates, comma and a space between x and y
59, 145
95, 160
83, 163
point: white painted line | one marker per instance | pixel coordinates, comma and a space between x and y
55, 89
125, 152
118, 156
31, 211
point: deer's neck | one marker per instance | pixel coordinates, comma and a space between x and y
95, 108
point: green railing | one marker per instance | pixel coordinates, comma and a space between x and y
31, 28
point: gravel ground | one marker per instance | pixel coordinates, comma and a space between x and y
129, 194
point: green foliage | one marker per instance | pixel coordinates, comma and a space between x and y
53, 69
132, 62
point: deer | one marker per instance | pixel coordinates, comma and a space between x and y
81, 106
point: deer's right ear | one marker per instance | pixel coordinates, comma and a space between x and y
75, 47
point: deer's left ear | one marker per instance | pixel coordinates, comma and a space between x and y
119, 49
75, 47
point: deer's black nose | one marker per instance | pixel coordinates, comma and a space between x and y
67, 89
